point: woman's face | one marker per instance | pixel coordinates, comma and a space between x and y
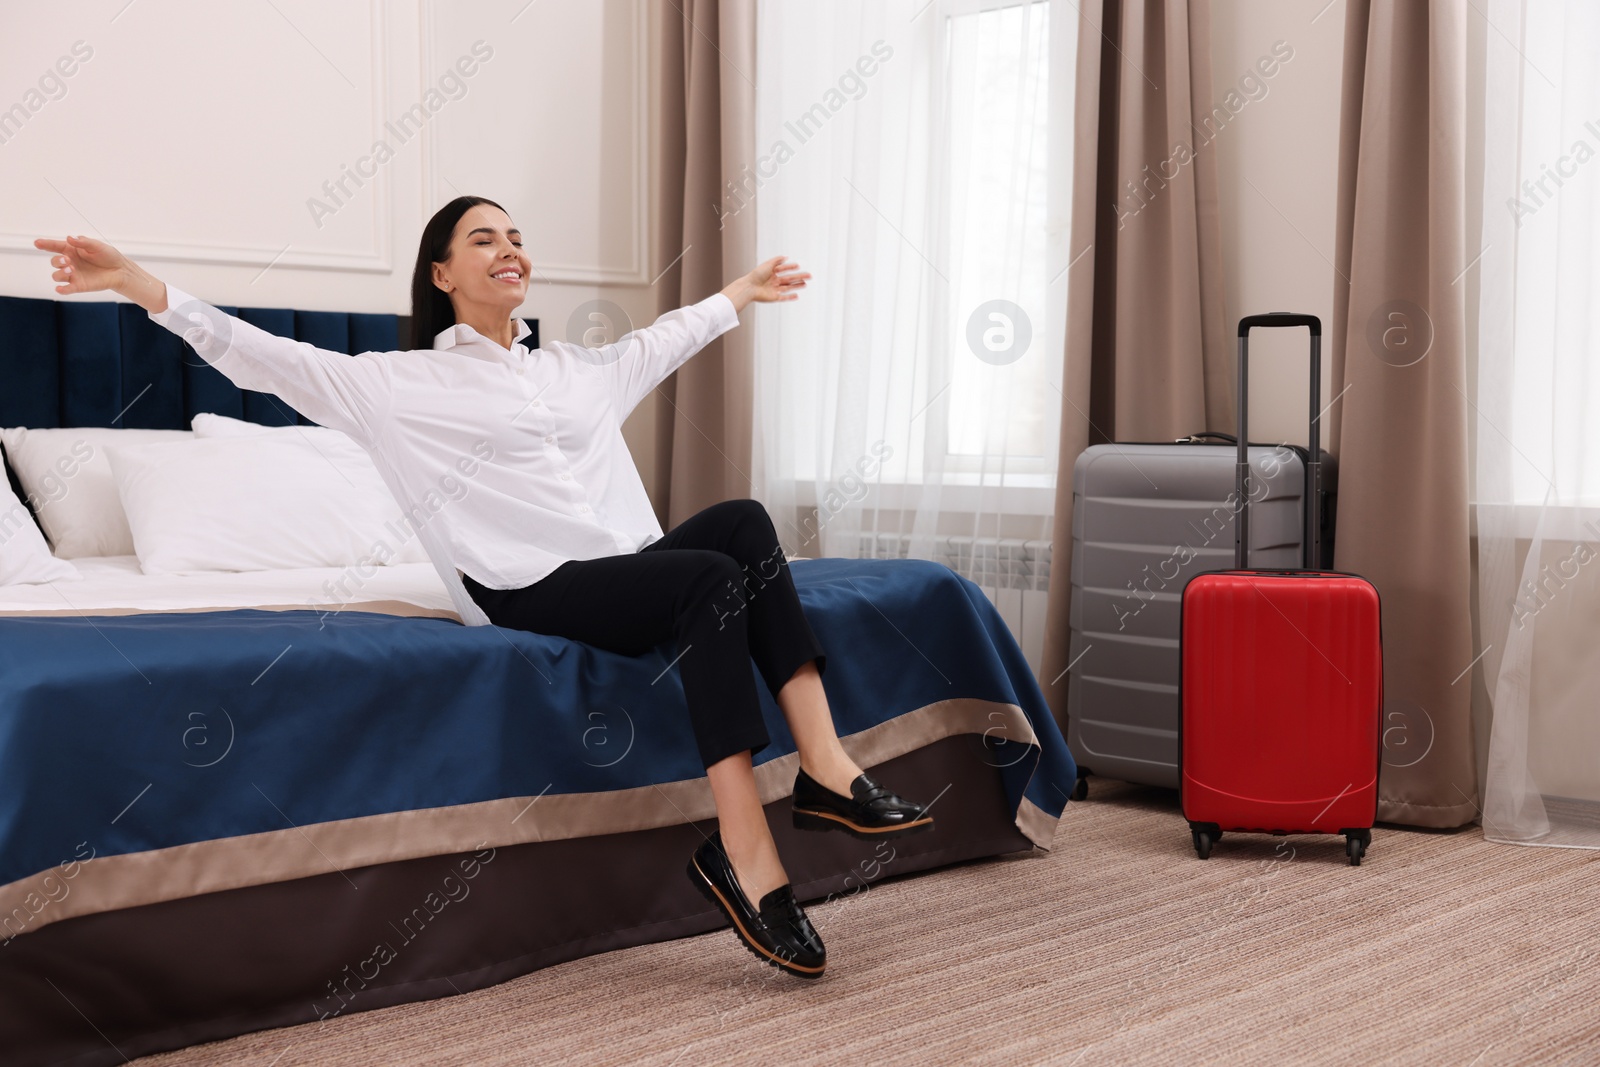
487, 266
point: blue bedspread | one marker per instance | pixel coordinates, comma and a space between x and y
124, 734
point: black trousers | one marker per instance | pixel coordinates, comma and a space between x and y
718, 582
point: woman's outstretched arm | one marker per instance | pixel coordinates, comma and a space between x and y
346, 393
642, 359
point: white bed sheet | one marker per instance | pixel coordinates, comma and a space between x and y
115, 585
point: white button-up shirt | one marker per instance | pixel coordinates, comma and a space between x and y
506, 464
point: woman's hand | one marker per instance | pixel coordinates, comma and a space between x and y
85, 265
773, 280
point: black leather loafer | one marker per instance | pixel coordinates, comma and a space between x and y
871, 812
777, 931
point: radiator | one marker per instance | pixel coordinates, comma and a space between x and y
1014, 574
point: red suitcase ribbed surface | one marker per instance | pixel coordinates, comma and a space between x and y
1282, 690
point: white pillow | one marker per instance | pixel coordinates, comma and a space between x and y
24, 557
339, 449
66, 476
264, 502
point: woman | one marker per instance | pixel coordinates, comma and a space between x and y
555, 533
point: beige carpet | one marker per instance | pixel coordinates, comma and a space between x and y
1119, 946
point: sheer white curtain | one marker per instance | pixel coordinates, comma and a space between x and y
915, 157
1538, 421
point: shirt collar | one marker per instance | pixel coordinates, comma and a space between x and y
461, 334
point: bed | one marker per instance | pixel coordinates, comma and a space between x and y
228, 805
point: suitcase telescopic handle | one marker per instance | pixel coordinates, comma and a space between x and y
1311, 539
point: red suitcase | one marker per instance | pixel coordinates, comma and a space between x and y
1282, 677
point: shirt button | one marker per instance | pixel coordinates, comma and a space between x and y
583, 507
519, 370
566, 477
538, 403
550, 439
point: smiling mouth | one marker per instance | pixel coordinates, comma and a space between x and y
510, 277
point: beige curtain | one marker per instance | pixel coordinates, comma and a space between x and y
707, 83
1399, 356
1148, 353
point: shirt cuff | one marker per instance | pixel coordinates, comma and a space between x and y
206, 329
722, 312
176, 298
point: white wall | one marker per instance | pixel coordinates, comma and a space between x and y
195, 137
1277, 161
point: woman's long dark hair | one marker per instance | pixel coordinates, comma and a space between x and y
431, 310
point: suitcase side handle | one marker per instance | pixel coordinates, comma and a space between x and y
1311, 539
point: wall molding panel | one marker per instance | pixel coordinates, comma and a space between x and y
621, 73
378, 258
559, 125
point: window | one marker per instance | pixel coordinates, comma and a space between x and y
916, 157
1002, 418
1553, 262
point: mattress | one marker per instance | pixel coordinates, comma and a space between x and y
114, 585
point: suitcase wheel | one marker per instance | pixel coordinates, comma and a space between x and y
1355, 848
1202, 843
1081, 790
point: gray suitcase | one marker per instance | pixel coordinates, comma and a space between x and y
1145, 519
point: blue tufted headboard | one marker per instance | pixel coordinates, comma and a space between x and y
71, 363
